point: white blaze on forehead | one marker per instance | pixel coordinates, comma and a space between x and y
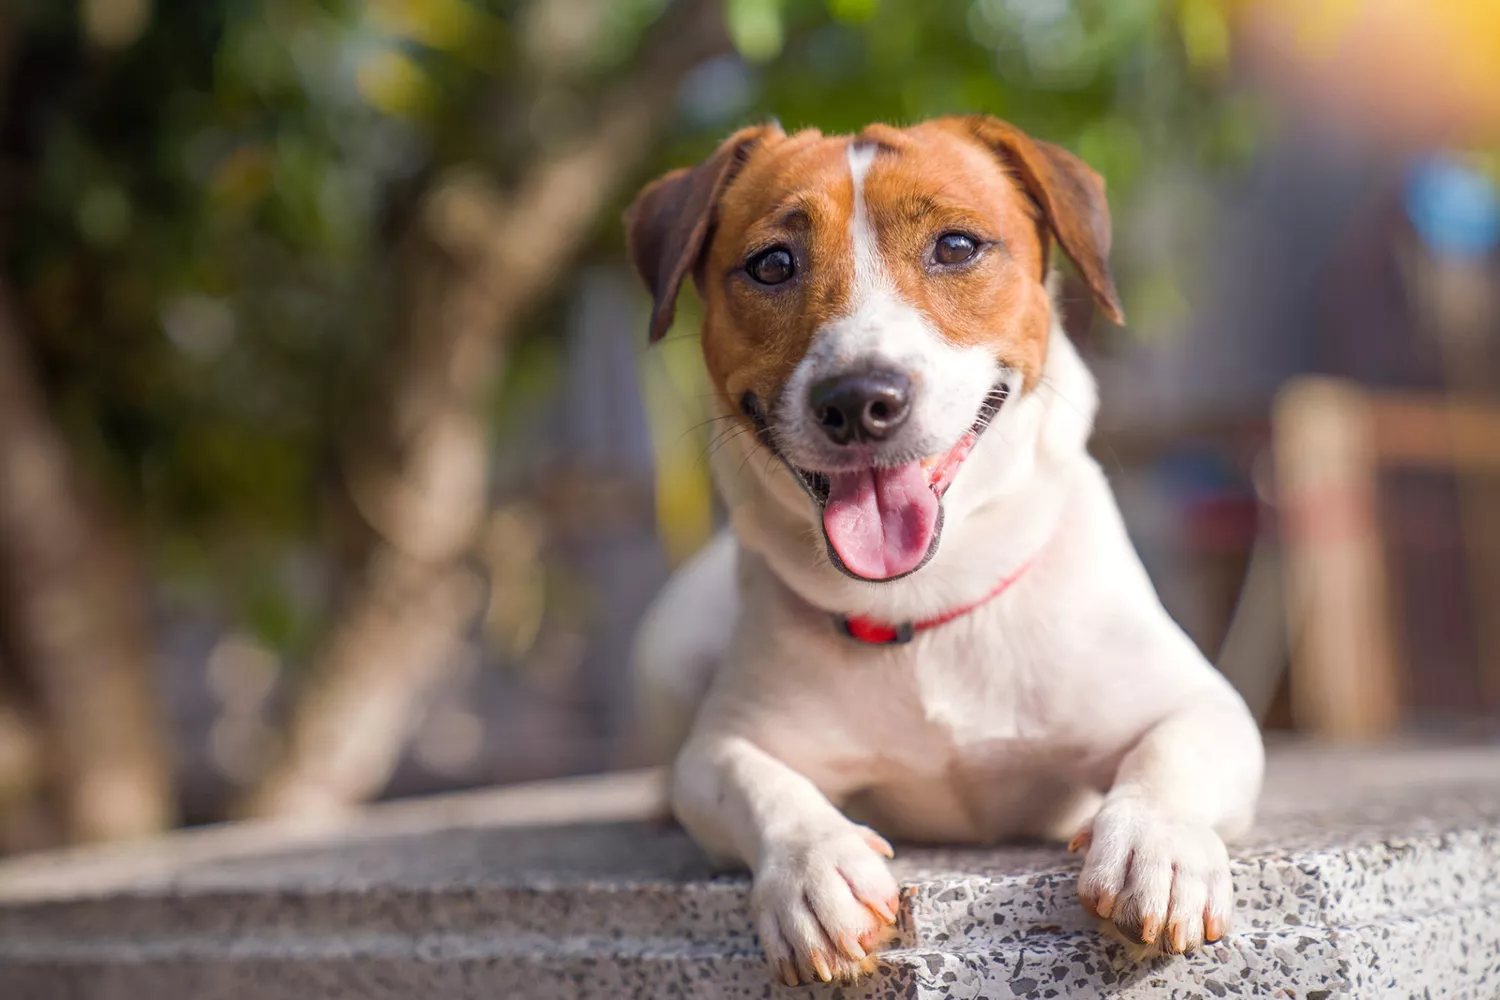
869, 276
878, 328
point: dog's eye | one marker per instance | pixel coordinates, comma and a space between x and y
772, 267
954, 248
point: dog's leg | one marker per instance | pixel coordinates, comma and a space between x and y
1156, 864
822, 896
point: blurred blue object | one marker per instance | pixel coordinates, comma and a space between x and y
1193, 474
1454, 208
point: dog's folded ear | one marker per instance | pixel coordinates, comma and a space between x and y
1070, 195
668, 225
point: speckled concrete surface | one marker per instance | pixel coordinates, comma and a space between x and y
1370, 875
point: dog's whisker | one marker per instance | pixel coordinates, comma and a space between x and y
723, 438
720, 442
769, 456
1057, 392
722, 432
669, 340
695, 428
710, 421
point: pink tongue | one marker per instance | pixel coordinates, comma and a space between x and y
881, 521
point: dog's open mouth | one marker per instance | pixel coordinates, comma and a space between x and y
884, 522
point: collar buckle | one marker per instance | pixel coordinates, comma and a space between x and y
874, 633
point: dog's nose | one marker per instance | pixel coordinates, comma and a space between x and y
866, 406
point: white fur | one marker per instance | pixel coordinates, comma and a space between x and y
681, 641
1072, 703
869, 274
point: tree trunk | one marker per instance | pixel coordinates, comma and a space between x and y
475, 261
27, 820
73, 623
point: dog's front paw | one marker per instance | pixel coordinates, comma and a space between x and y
823, 901
1164, 883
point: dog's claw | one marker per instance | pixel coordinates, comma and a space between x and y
823, 904
1080, 841
877, 843
1164, 883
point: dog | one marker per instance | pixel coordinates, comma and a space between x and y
928, 623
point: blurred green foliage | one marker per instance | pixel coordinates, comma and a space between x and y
199, 198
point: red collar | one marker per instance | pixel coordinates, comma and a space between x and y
862, 628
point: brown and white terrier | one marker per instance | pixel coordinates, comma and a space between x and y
927, 623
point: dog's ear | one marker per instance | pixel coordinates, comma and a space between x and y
667, 227
1070, 195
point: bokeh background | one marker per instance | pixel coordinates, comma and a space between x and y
334, 465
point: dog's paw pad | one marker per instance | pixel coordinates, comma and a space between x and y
1164, 884
823, 903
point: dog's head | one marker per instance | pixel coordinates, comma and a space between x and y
871, 302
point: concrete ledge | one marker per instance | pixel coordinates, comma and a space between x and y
1371, 874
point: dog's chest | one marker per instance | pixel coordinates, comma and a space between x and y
969, 691
969, 753
953, 786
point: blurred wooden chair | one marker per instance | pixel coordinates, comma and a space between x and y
1332, 439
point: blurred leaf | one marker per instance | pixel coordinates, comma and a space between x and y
622, 25
395, 84
1205, 33
852, 11
241, 179
104, 215
1156, 303
115, 24
755, 27
441, 24
1112, 147
673, 374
